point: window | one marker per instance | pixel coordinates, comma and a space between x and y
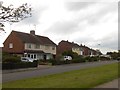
28, 55
31, 55
46, 47
37, 46
53, 48
29, 46
10, 45
35, 56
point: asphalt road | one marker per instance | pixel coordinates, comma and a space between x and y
52, 70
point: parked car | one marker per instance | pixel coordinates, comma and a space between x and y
27, 59
67, 58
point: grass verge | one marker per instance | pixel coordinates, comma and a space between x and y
84, 78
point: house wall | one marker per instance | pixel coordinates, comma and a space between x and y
76, 50
62, 47
45, 48
18, 46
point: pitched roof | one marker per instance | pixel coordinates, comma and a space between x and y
71, 43
35, 39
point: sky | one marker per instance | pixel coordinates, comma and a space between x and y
93, 23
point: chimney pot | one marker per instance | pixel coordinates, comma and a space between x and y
32, 32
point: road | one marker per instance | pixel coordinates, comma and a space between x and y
53, 70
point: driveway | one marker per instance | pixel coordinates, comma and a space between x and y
53, 70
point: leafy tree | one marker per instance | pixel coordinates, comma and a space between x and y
12, 14
70, 53
114, 55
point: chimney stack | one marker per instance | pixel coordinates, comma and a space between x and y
32, 32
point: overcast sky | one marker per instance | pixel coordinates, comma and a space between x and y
93, 23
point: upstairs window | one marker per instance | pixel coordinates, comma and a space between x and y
47, 47
10, 45
53, 48
29, 46
37, 46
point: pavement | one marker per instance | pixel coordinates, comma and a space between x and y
111, 84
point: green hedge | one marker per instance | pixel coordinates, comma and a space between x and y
59, 62
12, 59
9, 65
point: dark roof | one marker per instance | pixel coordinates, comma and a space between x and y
71, 43
35, 39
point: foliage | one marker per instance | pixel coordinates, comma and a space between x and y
6, 57
91, 59
114, 55
104, 58
12, 14
10, 65
70, 53
78, 59
12, 59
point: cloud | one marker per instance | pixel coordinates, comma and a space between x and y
63, 27
102, 9
110, 41
75, 6
36, 15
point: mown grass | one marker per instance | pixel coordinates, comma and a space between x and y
84, 78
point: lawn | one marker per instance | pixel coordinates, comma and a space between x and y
84, 78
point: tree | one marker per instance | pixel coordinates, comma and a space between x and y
114, 55
12, 14
70, 53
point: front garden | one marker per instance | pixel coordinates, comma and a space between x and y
14, 62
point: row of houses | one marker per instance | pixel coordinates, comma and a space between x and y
40, 47
74, 47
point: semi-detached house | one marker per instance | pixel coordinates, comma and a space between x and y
30, 45
67, 46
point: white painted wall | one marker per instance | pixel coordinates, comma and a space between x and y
45, 48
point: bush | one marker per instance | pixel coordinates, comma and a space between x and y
78, 59
59, 62
91, 59
6, 57
104, 58
75, 61
12, 59
9, 65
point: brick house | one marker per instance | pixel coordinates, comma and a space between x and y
67, 46
86, 51
30, 45
79, 49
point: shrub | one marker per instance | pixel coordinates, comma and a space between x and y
9, 65
75, 61
104, 58
78, 59
12, 59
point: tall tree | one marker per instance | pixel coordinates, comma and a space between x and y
12, 14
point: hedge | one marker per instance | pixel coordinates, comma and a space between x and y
8, 65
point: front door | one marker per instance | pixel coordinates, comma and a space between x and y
44, 57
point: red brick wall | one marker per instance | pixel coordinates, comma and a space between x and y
18, 46
62, 47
